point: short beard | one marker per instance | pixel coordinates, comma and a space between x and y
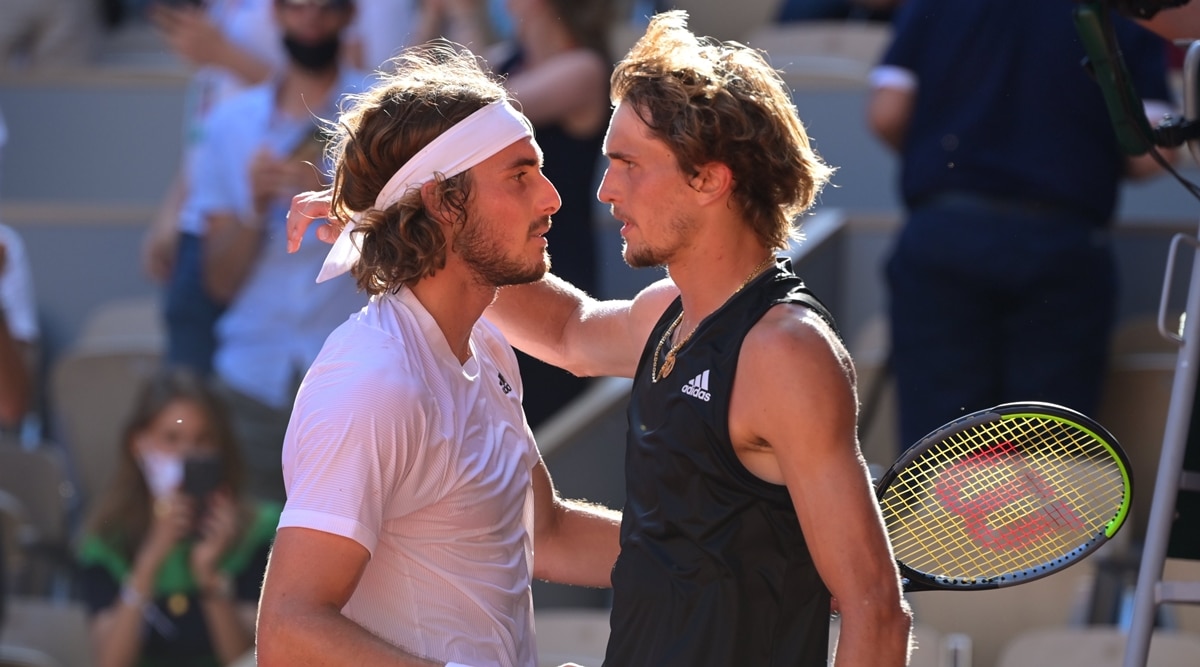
643, 258
492, 268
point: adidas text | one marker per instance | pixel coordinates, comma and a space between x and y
697, 387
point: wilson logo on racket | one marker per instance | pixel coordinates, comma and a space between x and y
1018, 510
1004, 496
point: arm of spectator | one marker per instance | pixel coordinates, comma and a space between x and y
570, 89
118, 630
464, 22
17, 359
300, 619
230, 249
890, 105
15, 381
575, 542
191, 34
230, 624
160, 242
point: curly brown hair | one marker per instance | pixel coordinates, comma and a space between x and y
428, 89
712, 101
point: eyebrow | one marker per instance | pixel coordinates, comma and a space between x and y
524, 162
617, 155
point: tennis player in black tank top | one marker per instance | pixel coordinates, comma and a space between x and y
695, 517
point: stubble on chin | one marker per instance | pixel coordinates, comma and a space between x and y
640, 258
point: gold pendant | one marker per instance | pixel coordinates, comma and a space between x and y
177, 604
667, 364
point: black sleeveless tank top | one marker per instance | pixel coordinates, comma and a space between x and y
713, 570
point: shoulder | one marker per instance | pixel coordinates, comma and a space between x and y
363, 369
490, 338
653, 300
792, 337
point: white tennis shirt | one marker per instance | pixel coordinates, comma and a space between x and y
426, 462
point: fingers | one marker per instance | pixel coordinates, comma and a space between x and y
306, 207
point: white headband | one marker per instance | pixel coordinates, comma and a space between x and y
469, 142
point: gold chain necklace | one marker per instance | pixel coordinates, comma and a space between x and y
668, 363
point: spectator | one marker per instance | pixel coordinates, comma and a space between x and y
558, 69
258, 151
381, 28
18, 330
233, 45
1002, 281
172, 578
466, 22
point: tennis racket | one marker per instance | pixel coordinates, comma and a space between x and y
1004, 496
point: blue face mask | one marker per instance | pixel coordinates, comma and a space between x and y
314, 57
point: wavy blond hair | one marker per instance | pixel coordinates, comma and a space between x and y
712, 101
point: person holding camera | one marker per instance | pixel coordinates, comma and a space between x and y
173, 555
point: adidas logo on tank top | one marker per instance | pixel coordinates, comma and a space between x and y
697, 387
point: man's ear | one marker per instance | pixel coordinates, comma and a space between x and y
713, 180
435, 205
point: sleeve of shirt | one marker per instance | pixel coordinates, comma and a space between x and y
908, 35
353, 434
898, 66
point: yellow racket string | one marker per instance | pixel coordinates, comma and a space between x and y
1004, 497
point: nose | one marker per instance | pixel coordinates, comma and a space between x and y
552, 201
605, 193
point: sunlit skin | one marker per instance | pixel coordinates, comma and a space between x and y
641, 185
503, 240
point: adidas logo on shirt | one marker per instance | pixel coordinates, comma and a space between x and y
697, 387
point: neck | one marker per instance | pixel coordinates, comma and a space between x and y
706, 280
456, 302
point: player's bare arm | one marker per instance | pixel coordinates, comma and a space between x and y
793, 421
300, 620
559, 324
575, 542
